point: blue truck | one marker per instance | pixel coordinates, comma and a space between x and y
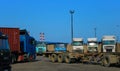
4, 53
56, 51
27, 45
40, 48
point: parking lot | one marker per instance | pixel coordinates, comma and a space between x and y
43, 64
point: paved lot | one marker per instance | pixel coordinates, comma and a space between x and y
43, 64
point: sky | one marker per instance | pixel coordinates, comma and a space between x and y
53, 18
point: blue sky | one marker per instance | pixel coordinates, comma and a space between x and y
53, 18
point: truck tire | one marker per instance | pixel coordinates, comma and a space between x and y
54, 58
67, 59
30, 58
106, 61
60, 58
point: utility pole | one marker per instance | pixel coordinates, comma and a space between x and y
95, 31
117, 33
71, 12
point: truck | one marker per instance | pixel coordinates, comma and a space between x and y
108, 55
111, 55
4, 53
27, 46
57, 52
54, 50
22, 45
77, 45
40, 48
92, 45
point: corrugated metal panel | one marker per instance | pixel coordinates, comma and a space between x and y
50, 48
13, 38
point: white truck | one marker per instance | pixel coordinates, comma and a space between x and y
108, 54
77, 45
92, 45
109, 43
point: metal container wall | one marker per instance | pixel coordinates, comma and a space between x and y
50, 48
13, 38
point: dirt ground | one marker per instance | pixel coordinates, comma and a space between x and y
43, 64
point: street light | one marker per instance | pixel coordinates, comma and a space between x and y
71, 12
95, 31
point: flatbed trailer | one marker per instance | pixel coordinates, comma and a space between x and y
67, 57
104, 59
61, 54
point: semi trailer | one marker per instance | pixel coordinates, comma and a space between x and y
22, 45
54, 50
4, 53
57, 52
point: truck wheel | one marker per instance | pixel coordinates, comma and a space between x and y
30, 58
106, 61
68, 59
60, 58
54, 57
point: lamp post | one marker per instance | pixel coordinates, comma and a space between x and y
71, 12
95, 31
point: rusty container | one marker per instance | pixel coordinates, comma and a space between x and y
13, 38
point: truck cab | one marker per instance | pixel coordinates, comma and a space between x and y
27, 45
40, 48
92, 45
77, 45
4, 53
109, 43
60, 47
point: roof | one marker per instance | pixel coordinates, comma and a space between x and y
77, 39
108, 37
92, 39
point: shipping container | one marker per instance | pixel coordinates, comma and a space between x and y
13, 38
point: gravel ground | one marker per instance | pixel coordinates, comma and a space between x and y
43, 64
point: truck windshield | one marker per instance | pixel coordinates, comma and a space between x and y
60, 45
77, 43
40, 45
4, 44
108, 42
